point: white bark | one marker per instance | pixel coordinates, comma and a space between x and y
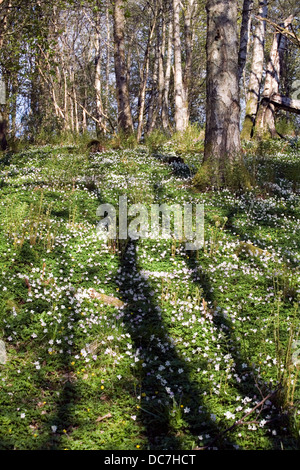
286, 103
257, 67
181, 108
188, 33
161, 38
97, 84
165, 105
107, 69
265, 116
142, 91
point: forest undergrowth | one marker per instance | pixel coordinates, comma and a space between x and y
141, 344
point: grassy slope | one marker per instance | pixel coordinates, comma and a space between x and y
202, 337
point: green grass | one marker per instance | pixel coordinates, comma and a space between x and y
202, 338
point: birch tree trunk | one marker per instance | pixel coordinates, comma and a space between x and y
165, 103
266, 114
244, 36
3, 125
3, 129
71, 106
181, 107
285, 103
161, 39
75, 105
143, 83
107, 68
125, 123
256, 73
188, 35
153, 111
222, 135
97, 84
67, 126
13, 107
84, 121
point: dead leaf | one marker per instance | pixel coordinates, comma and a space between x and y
101, 418
104, 398
106, 299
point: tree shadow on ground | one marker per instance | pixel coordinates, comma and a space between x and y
247, 384
171, 407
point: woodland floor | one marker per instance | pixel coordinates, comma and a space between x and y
199, 339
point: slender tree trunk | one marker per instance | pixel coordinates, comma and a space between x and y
107, 68
71, 101
152, 111
3, 141
244, 36
124, 112
143, 84
165, 104
181, 108
256, 73
3, 109
59, 113
71, 113
13, 110
161, 39
84, 116
65, 113
97, 84
188, 33
222, 136
266, 114
75, 106
84, 121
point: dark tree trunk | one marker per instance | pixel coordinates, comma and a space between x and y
222, 136
124, 112
3, 141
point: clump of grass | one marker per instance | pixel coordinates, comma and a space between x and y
13, 219
29, 222
202, 181
287, 362
155, 140
189, 141
233, 176
123, 140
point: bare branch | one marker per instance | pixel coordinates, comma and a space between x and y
283, 29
